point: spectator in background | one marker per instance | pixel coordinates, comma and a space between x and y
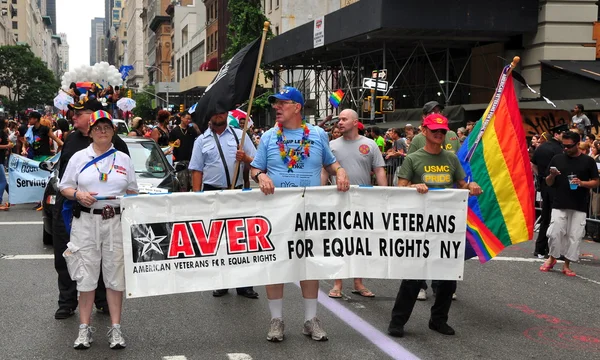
462, 134
469, 127
584, 147
409, 133
533, 144
379, 140
335, 132
581, 121
160, 133
137, 127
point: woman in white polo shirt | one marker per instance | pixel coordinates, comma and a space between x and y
98, 171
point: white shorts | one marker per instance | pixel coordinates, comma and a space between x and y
96, 242
565, 232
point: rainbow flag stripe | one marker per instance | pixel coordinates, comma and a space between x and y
495, 156
336, 98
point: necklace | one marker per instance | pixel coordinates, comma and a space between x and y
292, 156
104, 176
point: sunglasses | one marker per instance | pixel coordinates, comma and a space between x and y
439, 131
569, 146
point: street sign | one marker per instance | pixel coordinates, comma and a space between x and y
382, 74
369, 83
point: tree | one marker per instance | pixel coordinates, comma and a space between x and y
246, 24
143, 103
30, 83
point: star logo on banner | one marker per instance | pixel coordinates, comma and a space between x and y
151, 242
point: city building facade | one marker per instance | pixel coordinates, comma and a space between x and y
97, 41
135, 43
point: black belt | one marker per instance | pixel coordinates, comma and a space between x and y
208, 187
99, 211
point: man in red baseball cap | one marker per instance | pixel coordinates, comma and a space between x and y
429, 167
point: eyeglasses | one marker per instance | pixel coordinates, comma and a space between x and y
569, 146
103, 129
79, 113
280, 103
439, 131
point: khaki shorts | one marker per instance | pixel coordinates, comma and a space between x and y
94, 243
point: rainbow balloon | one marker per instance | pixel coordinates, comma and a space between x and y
336, 98
495, 156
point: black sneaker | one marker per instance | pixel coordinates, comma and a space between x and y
219, 293
63, 313
396, 331
103, 310
444, 328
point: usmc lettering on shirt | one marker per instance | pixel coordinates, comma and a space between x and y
436, 175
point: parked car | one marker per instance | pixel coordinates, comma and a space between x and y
121, 126
152, 170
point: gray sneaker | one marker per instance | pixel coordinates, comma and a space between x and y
276, 328
115, 337
313, 328
84, 339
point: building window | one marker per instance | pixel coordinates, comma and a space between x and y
276, 4
184, 35
116, 14
197, 55
178, 70
118, 3
15, 25
270, 5
186, 64
14, 2
276, 30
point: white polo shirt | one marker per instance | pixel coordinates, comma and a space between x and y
120, 179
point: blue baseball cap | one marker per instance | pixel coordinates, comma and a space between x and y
288, 93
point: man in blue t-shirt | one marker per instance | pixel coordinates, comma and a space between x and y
307, 151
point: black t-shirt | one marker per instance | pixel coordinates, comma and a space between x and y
186, 138
76, 142
585, 168
41, 141
3, 141
544, 154
23, 130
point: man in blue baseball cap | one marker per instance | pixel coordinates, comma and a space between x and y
288, 93
292, 154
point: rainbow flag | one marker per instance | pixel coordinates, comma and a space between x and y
495, 156
336, 98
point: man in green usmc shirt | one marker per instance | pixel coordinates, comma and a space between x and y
451, 142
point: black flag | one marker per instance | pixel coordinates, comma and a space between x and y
230, 88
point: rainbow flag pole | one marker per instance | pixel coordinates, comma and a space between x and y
495, 156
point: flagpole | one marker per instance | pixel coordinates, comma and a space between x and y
254, 81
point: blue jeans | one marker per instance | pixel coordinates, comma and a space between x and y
3, 182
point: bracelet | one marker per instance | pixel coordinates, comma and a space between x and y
257, 175
339, 167
75, 195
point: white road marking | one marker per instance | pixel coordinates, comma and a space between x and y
176, 357
239, 356
28, 257
21, 223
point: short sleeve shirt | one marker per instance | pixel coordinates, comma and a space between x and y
120, 179
41, 141
306, 172
584, 167
358, 158
441, 170
207, 159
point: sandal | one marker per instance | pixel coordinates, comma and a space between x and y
363, 292
569, 272
546, 268
335, 293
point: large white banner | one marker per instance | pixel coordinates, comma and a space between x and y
26, 181
186, 242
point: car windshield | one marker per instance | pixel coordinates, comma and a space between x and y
121, 128
148, 159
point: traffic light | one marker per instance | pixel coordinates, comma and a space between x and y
383, 104
129, 93
181, 108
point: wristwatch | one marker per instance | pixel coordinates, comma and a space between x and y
257, 175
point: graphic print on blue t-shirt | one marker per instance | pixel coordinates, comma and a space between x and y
306, 172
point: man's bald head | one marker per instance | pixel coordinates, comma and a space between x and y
348, 122
350, 114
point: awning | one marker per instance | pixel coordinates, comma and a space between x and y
366, 25
589, 69
564, 79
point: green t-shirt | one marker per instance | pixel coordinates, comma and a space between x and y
451, 143
380, 141
441, 170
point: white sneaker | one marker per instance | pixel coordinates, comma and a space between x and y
313, 329
276, 328
422, 295
454, 297
115, 337
84, 339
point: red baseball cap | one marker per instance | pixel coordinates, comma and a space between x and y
360, 126
435, 122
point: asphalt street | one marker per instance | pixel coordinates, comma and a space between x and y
506, 309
